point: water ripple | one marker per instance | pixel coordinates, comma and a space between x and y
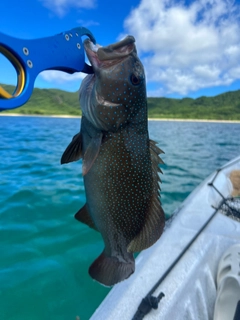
45, 252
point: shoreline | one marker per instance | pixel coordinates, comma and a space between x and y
150, 119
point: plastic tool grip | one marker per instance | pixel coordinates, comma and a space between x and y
64, 52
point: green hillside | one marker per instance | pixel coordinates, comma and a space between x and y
225, 106
49, 102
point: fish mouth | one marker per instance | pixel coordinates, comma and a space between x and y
100, 56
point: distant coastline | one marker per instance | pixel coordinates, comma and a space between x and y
57, 103
150, 119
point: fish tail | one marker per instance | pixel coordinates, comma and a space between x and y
109, 270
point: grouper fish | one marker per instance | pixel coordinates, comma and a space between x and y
120, 163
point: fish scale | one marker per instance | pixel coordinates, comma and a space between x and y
120, 162
122, 185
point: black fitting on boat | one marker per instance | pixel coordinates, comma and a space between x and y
148, 303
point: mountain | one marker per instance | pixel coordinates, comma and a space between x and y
48, 102
225, 106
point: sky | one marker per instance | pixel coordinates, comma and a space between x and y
188, 48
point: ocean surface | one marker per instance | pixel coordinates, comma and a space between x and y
44, 252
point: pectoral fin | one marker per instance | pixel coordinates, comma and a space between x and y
74, 150
155, 220
91, 153
83, 216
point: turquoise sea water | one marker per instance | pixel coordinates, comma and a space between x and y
45, 252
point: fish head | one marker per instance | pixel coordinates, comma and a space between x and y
115, 93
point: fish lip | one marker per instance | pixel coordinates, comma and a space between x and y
91, 51
100, 56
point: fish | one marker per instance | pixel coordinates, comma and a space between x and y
120, 163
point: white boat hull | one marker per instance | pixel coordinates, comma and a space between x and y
190, 288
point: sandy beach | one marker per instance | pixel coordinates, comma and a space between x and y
150, 119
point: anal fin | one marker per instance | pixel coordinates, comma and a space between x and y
83, 216
151, 230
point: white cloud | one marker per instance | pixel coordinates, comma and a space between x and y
61, 77
156, 93
60, 7
186, 48
88, 23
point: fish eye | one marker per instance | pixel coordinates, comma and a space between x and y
135, 80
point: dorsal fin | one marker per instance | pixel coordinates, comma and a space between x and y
155, 151
83, 216
73, 151
91, 153
155, 220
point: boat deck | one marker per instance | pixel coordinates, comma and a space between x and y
190, 288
